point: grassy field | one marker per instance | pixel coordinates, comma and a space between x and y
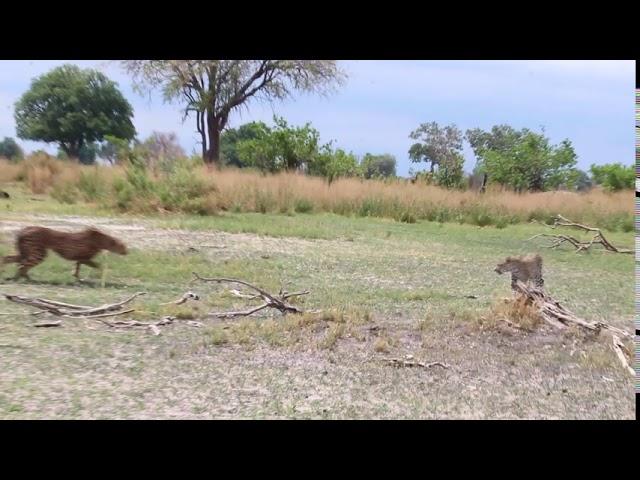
379, 289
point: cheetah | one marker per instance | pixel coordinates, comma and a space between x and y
525, 268
33, 244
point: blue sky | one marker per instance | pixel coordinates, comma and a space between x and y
592, 103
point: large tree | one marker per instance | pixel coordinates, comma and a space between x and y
531, 163
614, 176
10, 149
73, 108
438, 146
213, 89
232, 137
281, 147
378, 165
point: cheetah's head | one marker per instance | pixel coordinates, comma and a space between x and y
505, 266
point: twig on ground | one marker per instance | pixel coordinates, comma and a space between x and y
56, 323
183, 299
398, 362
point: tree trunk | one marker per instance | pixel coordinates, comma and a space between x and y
214, 146
203, 133
483, 188
71, 149
212, 156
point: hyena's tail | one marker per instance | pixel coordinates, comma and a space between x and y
10, 259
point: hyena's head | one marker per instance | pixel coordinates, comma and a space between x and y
107, 242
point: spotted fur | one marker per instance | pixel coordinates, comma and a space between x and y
525, 268
33, 244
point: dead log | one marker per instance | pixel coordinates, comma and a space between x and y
270, 301
560, 317
556, 314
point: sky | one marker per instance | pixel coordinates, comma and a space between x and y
592, 103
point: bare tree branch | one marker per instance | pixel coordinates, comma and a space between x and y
70, 310
271, 301
598, 238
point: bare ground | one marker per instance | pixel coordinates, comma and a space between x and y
86, 371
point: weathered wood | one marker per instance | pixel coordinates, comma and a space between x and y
183, 299
57, 323
270, 301
69, 310
623, 354
598, 238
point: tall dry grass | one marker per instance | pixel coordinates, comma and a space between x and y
243, 191
197, 189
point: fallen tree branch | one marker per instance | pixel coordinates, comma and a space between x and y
239, 314
598, 238
64, 305
558, 316
398, 362
60, 309
623, 354
271, 301
24, 313
152, 326
239, 294
112, 314
56, 323
183, 299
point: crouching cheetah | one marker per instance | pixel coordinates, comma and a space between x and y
525, 268
33, 244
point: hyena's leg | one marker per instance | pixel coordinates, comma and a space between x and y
89, 263
92, 264
30, 257
8, 259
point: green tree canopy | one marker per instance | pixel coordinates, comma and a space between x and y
73, 108
441, 147
374, 166
10, 149
230, 139
290, 148
529, 162
614, 176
